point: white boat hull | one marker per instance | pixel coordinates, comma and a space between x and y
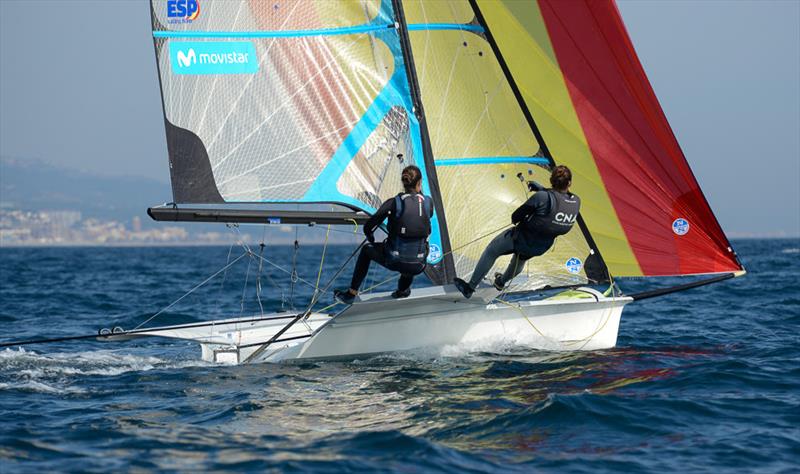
437, 318
431, 318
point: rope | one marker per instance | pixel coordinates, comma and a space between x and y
322, 261
293, 276
561, 345
258, 278
192, 290
306, 313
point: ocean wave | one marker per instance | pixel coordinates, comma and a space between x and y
23, 369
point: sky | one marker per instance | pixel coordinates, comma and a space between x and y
79, 88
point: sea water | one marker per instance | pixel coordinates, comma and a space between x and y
702, 381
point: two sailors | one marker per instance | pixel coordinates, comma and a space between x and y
549, 213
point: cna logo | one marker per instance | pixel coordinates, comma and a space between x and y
565, 218
434, 253
182, 11
186, 59
213, 57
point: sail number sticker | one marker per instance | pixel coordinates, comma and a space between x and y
574, 265
213, 57
680, 226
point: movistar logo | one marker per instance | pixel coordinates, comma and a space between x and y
190, 57
187, 59
213, 57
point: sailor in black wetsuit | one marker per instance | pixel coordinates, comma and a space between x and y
405, 250
546, 215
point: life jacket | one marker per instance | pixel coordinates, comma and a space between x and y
409, 228
564, 208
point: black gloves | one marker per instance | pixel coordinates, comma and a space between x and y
370, 237
534, 186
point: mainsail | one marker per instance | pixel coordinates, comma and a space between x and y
289, 102
323, 101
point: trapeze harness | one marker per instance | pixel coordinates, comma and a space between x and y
543, 229
409, 227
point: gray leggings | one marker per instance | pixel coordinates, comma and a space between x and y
503, 244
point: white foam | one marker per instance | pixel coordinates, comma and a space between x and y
53, 373
790, 250
40, 387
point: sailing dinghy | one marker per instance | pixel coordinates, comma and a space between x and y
287, 105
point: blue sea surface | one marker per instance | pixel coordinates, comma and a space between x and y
706, 380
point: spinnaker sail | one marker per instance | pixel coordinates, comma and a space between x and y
580, 78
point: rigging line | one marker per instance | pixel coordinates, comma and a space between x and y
308, 310
293, 275
192, 290
298, 278
322, 261
222, 283
244, 287
258, 277
266, 260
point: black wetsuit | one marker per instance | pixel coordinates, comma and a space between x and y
534, 233
380, 251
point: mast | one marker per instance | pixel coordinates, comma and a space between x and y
531, 122
448, 265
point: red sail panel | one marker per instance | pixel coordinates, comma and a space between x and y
666, 219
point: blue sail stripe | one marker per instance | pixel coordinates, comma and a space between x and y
491, 160
444, 26
347, 30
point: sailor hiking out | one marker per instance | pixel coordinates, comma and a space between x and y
550, 212
405, 250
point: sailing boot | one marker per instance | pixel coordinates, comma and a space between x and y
498, 283
464, 287
401, 294
344, 296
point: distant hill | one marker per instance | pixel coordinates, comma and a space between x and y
29, 185
34, 186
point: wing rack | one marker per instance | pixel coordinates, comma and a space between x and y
255, 216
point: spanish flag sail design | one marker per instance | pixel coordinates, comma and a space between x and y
579, 76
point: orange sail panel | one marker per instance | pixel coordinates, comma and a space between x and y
585, 87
